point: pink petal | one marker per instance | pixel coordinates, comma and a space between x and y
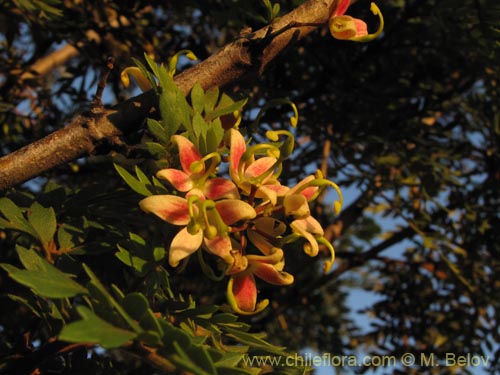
220, 246
309, 192
237, 149
183, 245
187, 153
260, 166
342, 7
234, 210
271, 275
171, 208
179, 180
245, 291
361, 27
217, 188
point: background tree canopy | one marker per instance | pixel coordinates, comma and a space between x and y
407, 125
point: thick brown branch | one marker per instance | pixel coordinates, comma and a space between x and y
85, 132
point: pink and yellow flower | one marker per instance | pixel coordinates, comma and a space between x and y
242, 288
205, 223
349, 28
194, 174
251, 175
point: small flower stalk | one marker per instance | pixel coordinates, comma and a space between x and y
246, 219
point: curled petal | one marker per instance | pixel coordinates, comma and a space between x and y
220, 246
296, 205
188, 154
270, 274
240, 263
217, 188
273, 258
171, 208
242, 294
244, 291
260, 242
183, 245
265, 192
140, 78
179, 180
347, 27
306, 228
234, 210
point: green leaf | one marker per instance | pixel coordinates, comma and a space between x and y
224, 318
158, 131
254, 341
15, 218
214, 136
134, 183
106, 296
42, 277
136, 305
226, 106
156, 150
93, 329
43, 221
211, 98
198, 98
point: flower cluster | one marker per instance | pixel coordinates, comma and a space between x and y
247, 219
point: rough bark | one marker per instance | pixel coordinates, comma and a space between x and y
249, 53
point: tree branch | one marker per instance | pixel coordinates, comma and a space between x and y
84, 133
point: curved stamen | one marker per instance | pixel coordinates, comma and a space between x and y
367, 38
328, 263
288, 145
215, 160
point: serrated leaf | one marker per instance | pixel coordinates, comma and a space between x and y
43, 221
93, 329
